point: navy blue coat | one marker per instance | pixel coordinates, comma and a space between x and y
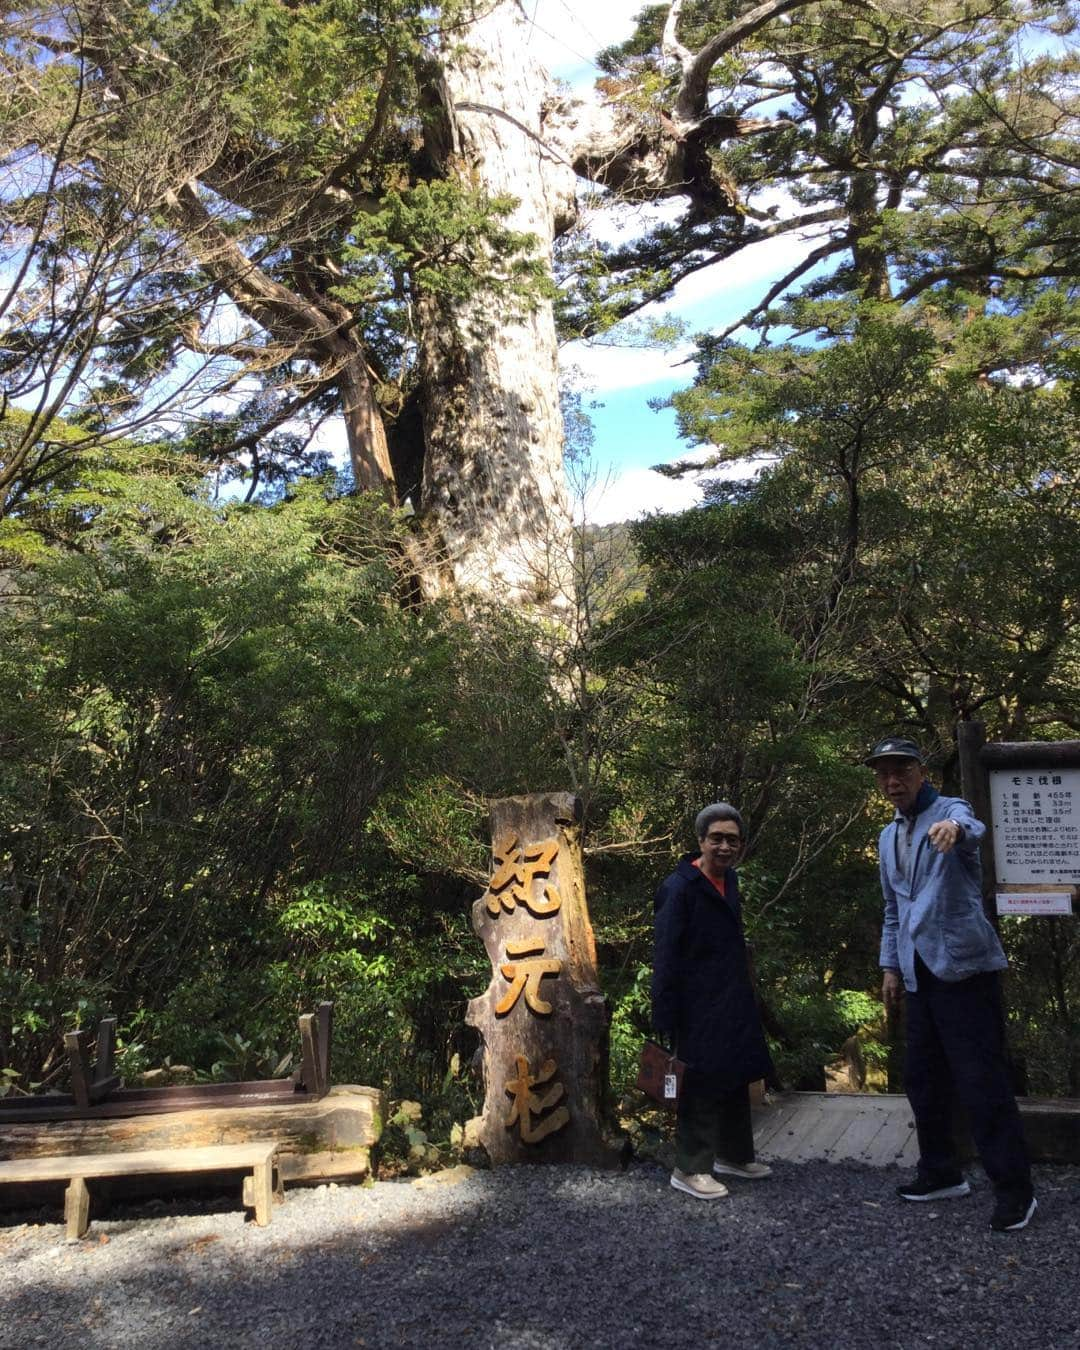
701, 991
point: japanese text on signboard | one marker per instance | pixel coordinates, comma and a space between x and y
521, 880
1036, 825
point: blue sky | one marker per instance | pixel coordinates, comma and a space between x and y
629, 435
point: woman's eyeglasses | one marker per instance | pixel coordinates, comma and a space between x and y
723, 840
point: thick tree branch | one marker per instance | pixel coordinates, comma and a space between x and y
273, 306
691, 102
643, 159
990, 268
316, 331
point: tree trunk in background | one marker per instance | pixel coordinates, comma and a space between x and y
364, 427
493, 499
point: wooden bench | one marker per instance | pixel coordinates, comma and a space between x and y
259, 1190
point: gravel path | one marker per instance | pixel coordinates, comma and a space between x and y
554, 1258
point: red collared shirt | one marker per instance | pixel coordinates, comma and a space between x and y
718, 884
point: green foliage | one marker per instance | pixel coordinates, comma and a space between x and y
1043, 994
202, 708
885, 458
399, 959
920, 150
817, 1022
243, 1060
630, 1021
435, 826
451, 243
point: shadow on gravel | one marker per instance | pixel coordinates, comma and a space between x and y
558, 1258
190, 1201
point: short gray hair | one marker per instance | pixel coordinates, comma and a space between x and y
709, 815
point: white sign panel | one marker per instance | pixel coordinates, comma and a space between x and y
1036, 826
1034, 902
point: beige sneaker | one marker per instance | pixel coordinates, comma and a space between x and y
751, 1171
699, 1184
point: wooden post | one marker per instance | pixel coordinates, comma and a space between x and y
90, 1085
247, 1193
263, 1187
106, 1050
316, 1030
309, 1053
970, 739
78, 1050
324, 1014
543, 1019
76, 1208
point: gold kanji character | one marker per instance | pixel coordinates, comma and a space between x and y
517, 868
525, 976
528, 1103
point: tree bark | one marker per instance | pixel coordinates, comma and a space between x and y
493, 499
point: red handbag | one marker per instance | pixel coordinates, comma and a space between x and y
660, 1075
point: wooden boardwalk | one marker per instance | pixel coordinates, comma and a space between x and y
836, 1127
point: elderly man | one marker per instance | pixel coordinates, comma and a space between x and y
703, 1001
938, 945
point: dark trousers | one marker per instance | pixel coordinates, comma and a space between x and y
711, 1125
956, 1049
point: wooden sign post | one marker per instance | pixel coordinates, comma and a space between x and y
543, 1019
1028, 796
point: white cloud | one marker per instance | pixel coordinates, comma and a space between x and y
758, 265
604, 368
637, 492
332, 437
708, 300
640, 492
753, 268
613, 222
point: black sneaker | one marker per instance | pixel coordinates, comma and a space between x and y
921, 1189
1012, 1212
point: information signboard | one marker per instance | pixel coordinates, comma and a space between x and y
1034, 902
1036, 814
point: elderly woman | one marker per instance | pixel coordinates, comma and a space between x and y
703, 1002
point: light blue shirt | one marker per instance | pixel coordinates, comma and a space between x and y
933, 901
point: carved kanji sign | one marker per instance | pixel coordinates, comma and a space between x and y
519, 871
528, 1104
543, 1008
525, 977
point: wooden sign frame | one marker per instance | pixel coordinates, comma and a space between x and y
977, 758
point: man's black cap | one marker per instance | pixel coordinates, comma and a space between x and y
894, 747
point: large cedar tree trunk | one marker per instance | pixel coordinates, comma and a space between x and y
493, 499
